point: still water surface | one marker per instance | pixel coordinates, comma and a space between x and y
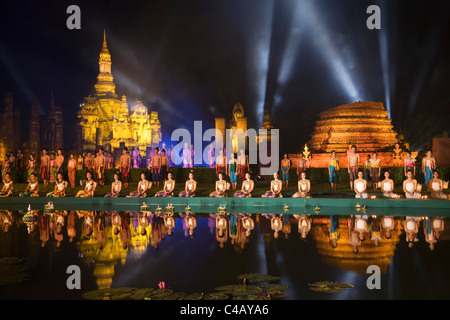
112, 251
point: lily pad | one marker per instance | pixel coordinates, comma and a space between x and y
229, 288
216, 296
258, 277
277, 294
141, 294
175, 296
161, 294
274, 287
108, 294
329, 286
246, 290
247, 297
193, 296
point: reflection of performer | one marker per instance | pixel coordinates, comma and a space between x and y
276, 224
334, 231
304, 225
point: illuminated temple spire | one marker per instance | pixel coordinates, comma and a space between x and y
105, 84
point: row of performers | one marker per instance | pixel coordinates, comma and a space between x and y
410, 187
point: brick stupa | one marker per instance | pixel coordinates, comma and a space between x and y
363, 124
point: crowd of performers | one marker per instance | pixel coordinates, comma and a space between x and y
361, 174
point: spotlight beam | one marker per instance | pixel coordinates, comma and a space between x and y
321, 37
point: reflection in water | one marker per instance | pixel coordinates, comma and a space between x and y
107, 239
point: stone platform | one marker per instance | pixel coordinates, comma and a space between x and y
257, 205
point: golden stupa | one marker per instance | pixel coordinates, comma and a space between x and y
363, 124
105, 120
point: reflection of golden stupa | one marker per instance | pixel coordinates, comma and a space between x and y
104, 260
343, 257
364, 124
139, 242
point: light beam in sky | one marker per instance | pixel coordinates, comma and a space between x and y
384, 56
322, 38
290, 53
259, 50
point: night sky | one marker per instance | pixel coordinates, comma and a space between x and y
193, 60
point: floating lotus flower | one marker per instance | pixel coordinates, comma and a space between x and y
162, 285
222, 209
144, 208
358, 206
29, 218
169, 208
317, 209
286, 207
